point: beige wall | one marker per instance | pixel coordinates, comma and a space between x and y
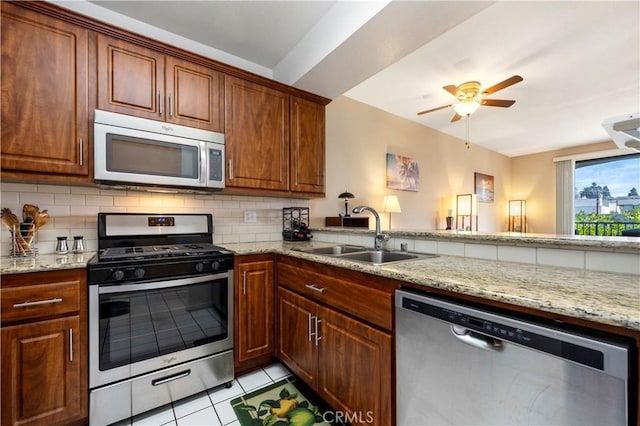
358, 139
533, 178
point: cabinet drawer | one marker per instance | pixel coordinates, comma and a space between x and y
39, 300
369, 304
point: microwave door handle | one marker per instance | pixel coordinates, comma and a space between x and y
204, 164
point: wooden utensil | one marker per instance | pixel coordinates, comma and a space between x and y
11, 221
41, 219
29, 213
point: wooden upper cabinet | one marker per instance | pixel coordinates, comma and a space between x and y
194, 95
44, 94
256, 136
130, 79
307, 146
144, 83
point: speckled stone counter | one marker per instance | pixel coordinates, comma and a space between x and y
602, 297
579, 242
44, 262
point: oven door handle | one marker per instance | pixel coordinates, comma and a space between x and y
121, 288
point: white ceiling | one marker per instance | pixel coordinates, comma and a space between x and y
580, 59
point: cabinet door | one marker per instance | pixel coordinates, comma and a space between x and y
354, 368
44, 94
194, 95
130, 79
257, 136
307, 146
41, 372
255, 303
297, 346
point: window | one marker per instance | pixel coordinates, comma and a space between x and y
612, 208
606, 200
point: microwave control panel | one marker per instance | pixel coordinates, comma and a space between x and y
215, 164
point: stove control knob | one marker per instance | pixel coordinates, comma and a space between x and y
118, 274
139, 273
215, 265
199, 267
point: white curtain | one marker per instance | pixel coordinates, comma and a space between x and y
564, 197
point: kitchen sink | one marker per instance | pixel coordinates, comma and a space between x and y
379, 257
334, 250
366, 255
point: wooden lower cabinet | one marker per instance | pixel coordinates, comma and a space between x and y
43, 342
40, 378
348, 363
254, 317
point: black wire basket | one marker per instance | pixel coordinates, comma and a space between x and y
295, 224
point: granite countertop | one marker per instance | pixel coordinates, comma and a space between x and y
602, 297
44, 262
578, 242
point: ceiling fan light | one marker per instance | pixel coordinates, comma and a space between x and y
466, 108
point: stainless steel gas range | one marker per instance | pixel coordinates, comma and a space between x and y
160, 313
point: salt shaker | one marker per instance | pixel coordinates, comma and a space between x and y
61, 245
78, 244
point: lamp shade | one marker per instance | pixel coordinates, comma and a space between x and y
517, 216
466, 108
390, 204
517, 207
346, 195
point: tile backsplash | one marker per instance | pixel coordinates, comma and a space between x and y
74, 211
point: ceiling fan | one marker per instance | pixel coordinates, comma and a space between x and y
471, 97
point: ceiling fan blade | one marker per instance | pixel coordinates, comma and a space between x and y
451, 89
435, 109
497, 102
456, 117
503, 84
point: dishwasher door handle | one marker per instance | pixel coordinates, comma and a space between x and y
476, 340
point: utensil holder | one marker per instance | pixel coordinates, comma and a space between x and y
23, 241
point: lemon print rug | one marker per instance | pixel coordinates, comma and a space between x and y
281, 404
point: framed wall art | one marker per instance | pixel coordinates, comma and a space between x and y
483, 187
403, 173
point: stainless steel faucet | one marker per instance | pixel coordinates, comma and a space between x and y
380, 237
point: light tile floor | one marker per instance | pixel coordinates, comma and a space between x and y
210, 408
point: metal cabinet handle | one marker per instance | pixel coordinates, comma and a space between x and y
160, 106
38, 302
171, 378
315, 288
230, 170
244, 282
81, 150
317, 334
71, 344
170, 107
311, 317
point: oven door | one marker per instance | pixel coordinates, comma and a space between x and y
139, 328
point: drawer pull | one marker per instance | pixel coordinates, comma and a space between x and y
162, 381
314, 288
38, 302
81, 151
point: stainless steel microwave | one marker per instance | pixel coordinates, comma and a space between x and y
131, 151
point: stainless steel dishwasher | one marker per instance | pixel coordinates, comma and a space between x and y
458, 365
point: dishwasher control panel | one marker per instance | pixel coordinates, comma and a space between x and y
507, 332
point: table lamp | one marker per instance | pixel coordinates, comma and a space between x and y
346, 195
